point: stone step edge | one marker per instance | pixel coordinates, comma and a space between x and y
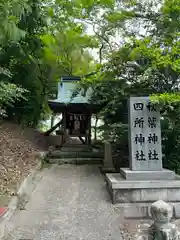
75, 161
77, 146
73, 156
75, 152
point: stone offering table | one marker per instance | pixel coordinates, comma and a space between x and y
145, 181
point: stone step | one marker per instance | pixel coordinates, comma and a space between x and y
77, 145
77, 161
75, 154
71, 148
81, 147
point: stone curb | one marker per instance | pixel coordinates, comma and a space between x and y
22, 196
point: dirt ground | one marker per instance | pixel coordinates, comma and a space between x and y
19, 148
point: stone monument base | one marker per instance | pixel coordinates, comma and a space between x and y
141, 211
142, 191
164, 174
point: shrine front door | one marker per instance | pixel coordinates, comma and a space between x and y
77, 123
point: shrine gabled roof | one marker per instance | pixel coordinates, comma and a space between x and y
66, 88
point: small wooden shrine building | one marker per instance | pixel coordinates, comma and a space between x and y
76, 112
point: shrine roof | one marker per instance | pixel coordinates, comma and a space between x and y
65, 89
70, 78
58, 107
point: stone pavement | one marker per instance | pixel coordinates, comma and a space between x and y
70, 202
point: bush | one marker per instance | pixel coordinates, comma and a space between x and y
9, 93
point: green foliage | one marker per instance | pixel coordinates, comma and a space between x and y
22, 58
39, 42
166, 98
171, 142
10, 13
9, 93
146, 62
67, 52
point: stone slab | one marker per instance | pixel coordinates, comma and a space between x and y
164, 174
142, 210
134, 210
129, 191
116, 181
177, 210
144, 135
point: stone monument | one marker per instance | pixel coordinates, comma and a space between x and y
145, 181
145, 142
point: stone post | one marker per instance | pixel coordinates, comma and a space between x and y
67, 138
108, 165
162, 228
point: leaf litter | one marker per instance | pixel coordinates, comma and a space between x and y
19, 148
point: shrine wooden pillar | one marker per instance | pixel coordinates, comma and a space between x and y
89, 128
52, 120
64, 125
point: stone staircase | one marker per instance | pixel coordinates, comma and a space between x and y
76, 154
